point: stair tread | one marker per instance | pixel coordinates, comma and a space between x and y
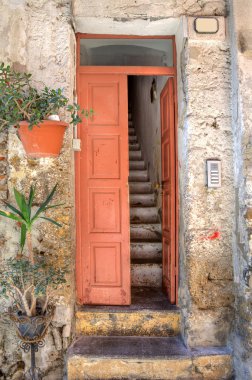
138, 172
146, 274
140, 188
137, 165
145, 358
134, 146
139, 347
143, 202
138, 175
135, 155
144, 215
148, 227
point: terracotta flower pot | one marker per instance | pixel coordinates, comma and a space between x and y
44, 140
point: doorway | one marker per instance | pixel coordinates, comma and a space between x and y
107, 261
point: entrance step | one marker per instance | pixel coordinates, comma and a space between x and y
147, 274
131, 131
135, 155
140, 188
142, 200
137, 165
144, 215
100, 357
146, 251
154, 317
145, 232
138, 175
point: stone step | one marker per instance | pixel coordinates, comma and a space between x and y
140, 187
144, 215
147, 274
134, 146
133, 358
130, 123
150, 314
138, 175
142, 200
146, 251
132, 139
145, 232
130, 116
131, 131
135, 155
137, 165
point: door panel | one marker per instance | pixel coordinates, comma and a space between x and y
103, 241
168, 189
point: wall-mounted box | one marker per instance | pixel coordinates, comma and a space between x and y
206, 28
206, 25
213, 173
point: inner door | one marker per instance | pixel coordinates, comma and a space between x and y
169, 190
103, 239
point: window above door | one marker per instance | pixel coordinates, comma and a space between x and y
127, 51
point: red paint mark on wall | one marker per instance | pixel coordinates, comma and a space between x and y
215, 235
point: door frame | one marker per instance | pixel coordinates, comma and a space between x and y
128, 70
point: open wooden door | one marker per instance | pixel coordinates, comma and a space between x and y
169, 190
103, 237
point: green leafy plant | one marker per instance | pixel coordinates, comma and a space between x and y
23, 215
30, 280
20, 101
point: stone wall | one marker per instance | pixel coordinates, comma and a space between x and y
206, 214
146, 9
37, 36
241, 37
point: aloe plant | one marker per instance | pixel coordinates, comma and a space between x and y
22, 213
30, 281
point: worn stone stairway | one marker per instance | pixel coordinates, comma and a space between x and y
140, 341
145, 225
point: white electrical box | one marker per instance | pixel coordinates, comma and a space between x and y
76, 145
213, 173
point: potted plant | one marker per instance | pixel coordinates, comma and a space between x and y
28, 280
35, 113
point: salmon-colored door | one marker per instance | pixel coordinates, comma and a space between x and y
168, 190
103, 240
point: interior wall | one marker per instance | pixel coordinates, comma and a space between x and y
146, 117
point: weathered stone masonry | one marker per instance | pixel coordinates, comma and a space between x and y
38, 36
241, 42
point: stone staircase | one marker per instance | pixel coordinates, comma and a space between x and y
145, 225
140, 341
